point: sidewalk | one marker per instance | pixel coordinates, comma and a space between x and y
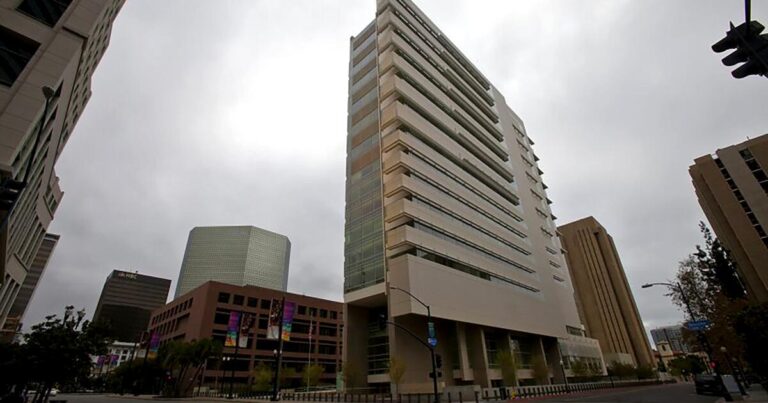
757, 394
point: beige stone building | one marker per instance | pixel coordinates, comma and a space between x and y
445, 201
603, 296
732, 188
43, 43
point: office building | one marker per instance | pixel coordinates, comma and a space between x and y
43, 43
205, 312
603, 296
240, 255
732, 188
445, 200
14, 320
672, 336
127, 301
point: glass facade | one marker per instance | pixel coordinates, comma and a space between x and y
363, 229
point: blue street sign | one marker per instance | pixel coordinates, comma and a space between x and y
432, 341
697, 325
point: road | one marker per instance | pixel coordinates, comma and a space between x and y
673, 393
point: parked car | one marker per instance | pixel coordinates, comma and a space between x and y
708, 384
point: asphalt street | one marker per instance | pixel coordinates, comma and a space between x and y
675, 393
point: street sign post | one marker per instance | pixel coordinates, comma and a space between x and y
697, 325
432, 341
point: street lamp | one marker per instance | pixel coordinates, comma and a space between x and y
431, 348
565, 377
226, 360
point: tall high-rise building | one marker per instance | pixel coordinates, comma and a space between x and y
732, 188
43, 43
238, 255
673, 336
127, 301
445, 201
603, 296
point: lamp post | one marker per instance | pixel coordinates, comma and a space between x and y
226, 360
565, 376
431, 348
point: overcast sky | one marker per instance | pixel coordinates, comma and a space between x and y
234, 113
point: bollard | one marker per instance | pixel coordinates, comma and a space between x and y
477, 397
461, 400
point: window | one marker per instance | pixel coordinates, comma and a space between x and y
333, 315
46, 11
221, 318
15, 52
253, 302
312, 311
323, 313
265, 303
224, 297
238, 300
302, 310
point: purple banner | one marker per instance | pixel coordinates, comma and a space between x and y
273, 331
232, 329
154, 344
288, 319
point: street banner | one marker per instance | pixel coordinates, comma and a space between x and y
232, 329
113, 359
273, 330
288, 319
154, 344
246, 323
100, 361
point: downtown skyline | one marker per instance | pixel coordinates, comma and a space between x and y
193, 138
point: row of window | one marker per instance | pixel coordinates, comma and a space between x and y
266, 303
742, 202
176, 309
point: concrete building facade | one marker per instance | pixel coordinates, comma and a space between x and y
603, 297
13, 322
56, 44
237, 255
445, 200
205, 312
732, 189
127, 301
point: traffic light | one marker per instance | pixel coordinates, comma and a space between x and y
438, 361
751, 48
10, 190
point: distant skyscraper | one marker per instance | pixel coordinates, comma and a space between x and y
732, 188
127, 301
42, 43
673, 335
239, 255
603, 296
445, 201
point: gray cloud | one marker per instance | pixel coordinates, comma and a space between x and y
235, 113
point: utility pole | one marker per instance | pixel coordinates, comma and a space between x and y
279, 359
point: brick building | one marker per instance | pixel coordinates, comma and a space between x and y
205, 312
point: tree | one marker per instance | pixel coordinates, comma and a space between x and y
621, 370
645, 372
311, 374
185, 362
397, 369
750, 325
262, 377
58, 351
689, 364
508, 365
580, 369
540, 370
